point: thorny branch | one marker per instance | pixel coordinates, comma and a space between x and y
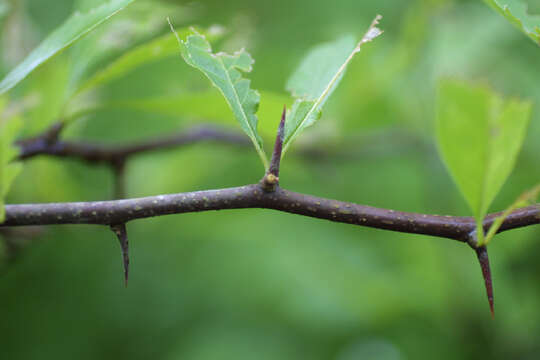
254, 196
267, 194
259, 195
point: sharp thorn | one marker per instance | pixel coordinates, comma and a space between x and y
483, 259
121, 233
278, 147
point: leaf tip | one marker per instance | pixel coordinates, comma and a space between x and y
372, 32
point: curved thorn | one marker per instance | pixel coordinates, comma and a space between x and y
121, 233
483, 258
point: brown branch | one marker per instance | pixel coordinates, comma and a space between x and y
102, 153
254, 196
266, 194
251, 196
49, 144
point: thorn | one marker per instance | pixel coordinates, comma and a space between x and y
51, 135
483, 258
271, 179
278, 147
121, 233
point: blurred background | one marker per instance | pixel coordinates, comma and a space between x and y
258, 284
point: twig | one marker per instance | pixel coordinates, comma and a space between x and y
101, 153
254, 196
266, 194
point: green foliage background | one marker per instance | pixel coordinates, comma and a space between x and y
256, 283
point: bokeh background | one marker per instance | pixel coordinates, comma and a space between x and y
258, 284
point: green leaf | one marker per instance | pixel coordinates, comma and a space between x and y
208, 106
45, 96
515, 11
317, 77
9, 127
479, 136
225, 73
4, 9
138, 24
157, 49
76, 26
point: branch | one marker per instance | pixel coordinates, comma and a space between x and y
49, 144
101, 153
254, 196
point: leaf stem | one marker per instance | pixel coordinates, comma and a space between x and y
480, 237
521, 201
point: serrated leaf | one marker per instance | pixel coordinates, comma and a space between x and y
515, 11
9, 127
479, 135
76, 26
317, 77
225, 73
